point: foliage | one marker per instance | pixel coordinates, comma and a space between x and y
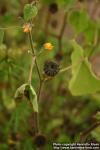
30, 12
68, 103
83, 81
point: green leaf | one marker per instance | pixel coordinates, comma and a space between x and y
1, 36
27, 91
30, 11
20, 91
32, 97
83, 79
79, 20
76, 57
90, 31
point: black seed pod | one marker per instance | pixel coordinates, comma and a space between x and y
40, 140
53, 8
51, 68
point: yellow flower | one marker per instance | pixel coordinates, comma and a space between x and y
48, 46
27, 28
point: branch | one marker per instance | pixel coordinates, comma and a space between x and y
62, 32
65, 69
31, 69
36, 117
33, 51
40, 89
85, 133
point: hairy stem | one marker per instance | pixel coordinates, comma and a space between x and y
31, 69
40, 88
36, 120
33, 51
65, 69
36, 115
70, 66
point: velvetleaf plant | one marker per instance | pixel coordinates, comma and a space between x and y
82, 82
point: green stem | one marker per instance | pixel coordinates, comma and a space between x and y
40, 88
31, 69
65, 69
69, 67
33, 51
85, 133
36, 120
36, 115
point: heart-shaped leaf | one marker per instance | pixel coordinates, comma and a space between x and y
32, 96
76, 57
30, 11
83, 79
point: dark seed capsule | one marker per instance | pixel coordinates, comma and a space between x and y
53, 8
51, 68
40, 140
